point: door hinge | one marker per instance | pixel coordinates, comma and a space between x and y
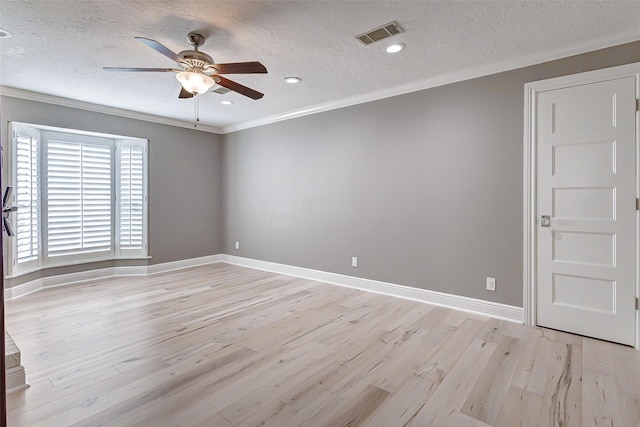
637, 303
638, 104
637, 204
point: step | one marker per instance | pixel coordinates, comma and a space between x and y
16, 377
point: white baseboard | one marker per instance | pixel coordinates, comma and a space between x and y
185, 263
83, 276
472, 305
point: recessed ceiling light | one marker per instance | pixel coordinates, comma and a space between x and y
226, 102
292, 80
397, 47
4, 34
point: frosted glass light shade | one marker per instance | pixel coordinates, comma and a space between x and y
195, 83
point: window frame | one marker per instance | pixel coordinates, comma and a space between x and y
44, 261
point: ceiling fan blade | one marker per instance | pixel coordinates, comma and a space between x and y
160, 48
237, 87
241, 68
158, 70
185, 94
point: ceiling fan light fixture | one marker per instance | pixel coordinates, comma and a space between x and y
196, 83
292, 80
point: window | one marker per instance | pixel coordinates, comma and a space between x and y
81, 197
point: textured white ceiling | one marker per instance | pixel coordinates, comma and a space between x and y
60, 46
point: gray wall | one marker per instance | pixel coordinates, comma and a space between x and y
185, 180
424, 188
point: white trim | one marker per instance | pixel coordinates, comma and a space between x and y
23, 289
84, 261
637, 346
622, 37
529, 209
114, 111
184, 263
530, 175
472, 305
618, 38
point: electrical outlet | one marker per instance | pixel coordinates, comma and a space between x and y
491, 284
354, 261
237, 245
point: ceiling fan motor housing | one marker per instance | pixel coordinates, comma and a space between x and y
194, 59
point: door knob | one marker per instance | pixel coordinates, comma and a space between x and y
545, 221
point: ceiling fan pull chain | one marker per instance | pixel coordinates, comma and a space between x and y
197, 111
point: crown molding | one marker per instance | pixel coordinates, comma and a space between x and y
87, 106
585, 46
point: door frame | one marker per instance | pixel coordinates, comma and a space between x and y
531, 90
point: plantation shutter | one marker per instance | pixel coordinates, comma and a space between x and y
131, 195
82, 197
79, 201
26, 194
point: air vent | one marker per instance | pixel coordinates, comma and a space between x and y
221, 90
380, 33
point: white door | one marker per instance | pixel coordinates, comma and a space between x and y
586, 251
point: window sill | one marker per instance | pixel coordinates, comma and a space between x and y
13, 275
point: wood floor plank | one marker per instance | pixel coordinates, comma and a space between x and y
601, 401
286, 374
222, 345
490, 390
273, 414
521, 408
98, 409
318, 412
404, 404
627, 375
305, 393
533, 367
363, 407
448, 354
562, 403
409, 359
216, 389
447, 400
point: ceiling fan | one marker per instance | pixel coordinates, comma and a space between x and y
197, 72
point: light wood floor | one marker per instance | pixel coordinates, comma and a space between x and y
224, 346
